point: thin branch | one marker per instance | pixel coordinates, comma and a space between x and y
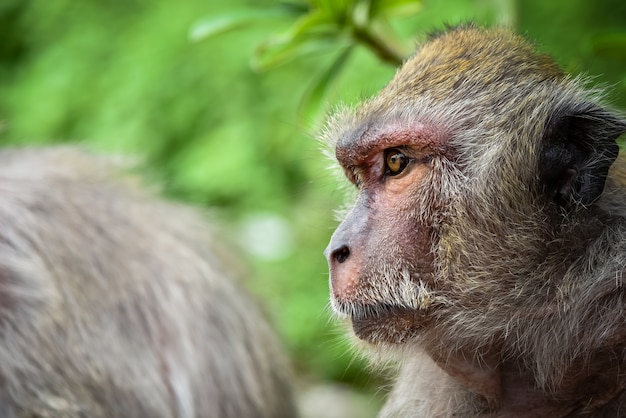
386, 52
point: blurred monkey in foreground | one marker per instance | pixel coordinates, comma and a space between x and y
487, 243
117, 304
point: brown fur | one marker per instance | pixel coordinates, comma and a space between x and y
116, 304
494, 263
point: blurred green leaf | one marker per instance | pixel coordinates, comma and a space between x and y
336, 10
394, 8
320, 24
235, 19
311, 33
312, 99
276, 52
313, 23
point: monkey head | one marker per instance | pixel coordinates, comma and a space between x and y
476, 168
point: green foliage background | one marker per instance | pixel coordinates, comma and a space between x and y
124, 76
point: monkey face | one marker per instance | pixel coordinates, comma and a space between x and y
482, 234
464, 165
381, 256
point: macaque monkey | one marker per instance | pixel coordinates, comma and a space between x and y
116, 304
486, 246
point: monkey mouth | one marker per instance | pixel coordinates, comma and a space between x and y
384, 323
380, 322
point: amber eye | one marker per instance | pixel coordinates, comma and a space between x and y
395, 162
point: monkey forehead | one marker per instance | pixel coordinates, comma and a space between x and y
352, 134
470, 60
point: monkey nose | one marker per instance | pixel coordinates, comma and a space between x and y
345, 270
337, 254
341, 254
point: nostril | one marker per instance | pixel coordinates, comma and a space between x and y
341, 254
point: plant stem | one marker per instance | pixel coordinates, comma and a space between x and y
386, 52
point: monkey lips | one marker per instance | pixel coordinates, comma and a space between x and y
381, 323
392, 325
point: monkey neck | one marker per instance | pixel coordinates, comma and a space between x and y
513, 365
507, 388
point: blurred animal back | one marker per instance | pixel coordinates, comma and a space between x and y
115, 303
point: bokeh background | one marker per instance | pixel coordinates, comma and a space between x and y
221, 102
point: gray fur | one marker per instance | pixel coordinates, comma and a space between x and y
116, 304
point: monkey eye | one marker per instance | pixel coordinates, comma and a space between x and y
395, 162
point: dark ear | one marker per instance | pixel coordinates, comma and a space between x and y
578, 150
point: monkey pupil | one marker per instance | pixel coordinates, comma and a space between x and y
396, 161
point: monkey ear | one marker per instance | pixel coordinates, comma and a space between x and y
578, 149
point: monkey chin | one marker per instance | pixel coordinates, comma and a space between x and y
387, 325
